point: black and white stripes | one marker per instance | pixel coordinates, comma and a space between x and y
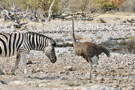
21, 43
34, 41
9, 43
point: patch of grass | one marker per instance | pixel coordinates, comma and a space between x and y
3, 82
21, 71
37, 85
49, 86
49, 81
100, 37
121, 38
71, 84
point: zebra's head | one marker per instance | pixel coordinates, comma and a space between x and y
50, 52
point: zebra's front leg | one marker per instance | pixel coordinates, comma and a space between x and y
23, 56
16, 63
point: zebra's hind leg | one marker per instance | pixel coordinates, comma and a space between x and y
16, 63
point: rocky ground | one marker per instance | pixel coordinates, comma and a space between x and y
71, 71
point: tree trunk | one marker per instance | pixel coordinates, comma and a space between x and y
50, 12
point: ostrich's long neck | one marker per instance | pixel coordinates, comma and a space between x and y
73, 35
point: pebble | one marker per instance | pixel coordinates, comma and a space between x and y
68, 68
1, 72
14, 83
2, 82
101, 87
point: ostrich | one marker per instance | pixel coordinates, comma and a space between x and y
89, 51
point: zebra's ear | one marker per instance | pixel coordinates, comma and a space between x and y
52, 43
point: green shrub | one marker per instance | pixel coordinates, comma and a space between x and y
107, 5
128, 6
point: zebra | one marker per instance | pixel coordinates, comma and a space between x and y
20, 44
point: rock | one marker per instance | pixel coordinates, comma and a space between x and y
16, 83
63, 78
29, 62
100, 79
110, 81
120, 41
94, 75
41, 85
36, 70
2, 82
131, 88
125, 88
62, 72
68, 68
1, 72
101, 87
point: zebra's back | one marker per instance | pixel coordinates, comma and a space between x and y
9, 43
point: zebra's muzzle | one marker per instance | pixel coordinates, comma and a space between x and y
54, 60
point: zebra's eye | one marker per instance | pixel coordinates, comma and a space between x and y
52, 50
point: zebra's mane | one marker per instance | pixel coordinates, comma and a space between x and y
53, 41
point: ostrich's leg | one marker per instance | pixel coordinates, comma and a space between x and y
90, 71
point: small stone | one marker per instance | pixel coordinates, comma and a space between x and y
94, 75
125, 88
31, 82
100, 79
101, 87
29, 62
130, 88
61, 72
63, 78
67, 73
68, 68
16, 83
2, 82
84, 62
41, 85
120, 41
36, 71
1, 72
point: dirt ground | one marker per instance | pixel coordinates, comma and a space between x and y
70, 71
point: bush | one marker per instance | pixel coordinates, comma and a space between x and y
108, 5
73, 6
41, 5
128, 5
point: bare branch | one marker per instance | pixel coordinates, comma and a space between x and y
2, 7
14, 6
50, 12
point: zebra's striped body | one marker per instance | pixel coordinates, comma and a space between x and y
21, 43
10, 43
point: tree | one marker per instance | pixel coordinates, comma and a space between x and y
50, 12
107, 5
